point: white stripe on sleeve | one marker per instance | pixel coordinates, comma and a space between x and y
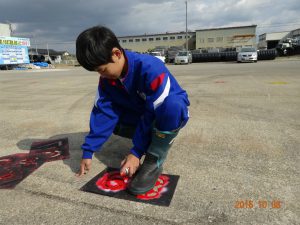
162, 97
96, 98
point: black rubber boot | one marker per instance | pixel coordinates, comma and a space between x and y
125, 131
146, 177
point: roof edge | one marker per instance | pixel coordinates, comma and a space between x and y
225, 28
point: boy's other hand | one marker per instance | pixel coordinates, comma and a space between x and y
85, 166
131, 164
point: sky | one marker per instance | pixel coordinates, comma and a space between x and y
59, 22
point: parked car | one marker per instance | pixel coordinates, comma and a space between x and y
183, 57
247, 55
158, 55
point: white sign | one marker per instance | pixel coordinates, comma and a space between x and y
14, 41
14, 50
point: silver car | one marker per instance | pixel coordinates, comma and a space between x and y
183, 57
247, 55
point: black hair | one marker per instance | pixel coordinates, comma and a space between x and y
94, 47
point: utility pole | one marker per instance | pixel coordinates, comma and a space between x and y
48, 49
36, 51
186, 29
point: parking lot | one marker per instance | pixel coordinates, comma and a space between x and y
237, 158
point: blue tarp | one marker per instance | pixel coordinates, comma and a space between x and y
41, 64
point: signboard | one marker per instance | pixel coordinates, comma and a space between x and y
14, 50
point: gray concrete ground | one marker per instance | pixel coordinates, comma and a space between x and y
241, 144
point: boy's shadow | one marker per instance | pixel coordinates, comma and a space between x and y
111, 154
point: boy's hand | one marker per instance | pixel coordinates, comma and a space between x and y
85, 166
131, 164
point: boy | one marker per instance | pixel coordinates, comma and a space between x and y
138, 98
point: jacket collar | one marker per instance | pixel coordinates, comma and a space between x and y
127, 80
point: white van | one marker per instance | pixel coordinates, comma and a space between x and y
183, 57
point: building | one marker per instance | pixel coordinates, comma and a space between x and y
293, 36
270, 40
5, 30
226, 37
146, 42
290, 43
50, 52
295, 33
50, 55
205, 39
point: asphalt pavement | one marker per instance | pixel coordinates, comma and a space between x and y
237, 158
